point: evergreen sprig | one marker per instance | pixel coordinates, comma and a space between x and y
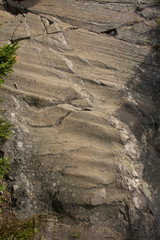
7, 60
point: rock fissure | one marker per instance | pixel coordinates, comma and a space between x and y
19, 39
15, 29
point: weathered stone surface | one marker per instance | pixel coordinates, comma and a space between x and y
83, 104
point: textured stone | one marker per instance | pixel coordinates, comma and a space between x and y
83, 104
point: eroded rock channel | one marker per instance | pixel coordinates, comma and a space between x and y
84, 104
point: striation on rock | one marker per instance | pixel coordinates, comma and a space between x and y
85, 114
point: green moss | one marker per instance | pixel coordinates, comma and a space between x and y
20, 230
76, 234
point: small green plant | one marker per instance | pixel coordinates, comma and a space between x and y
76, 234
5, 131
7, 60
4, 166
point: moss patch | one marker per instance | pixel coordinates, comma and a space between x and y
23, 230
11, 228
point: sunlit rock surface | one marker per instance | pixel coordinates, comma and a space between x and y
83, 101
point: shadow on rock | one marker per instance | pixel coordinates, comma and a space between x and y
141, 114
19, 6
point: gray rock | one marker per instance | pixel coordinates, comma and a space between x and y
85, 114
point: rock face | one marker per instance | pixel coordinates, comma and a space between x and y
83, 101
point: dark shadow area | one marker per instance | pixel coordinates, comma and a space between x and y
145, 89
29, 3
111, 32
18, 6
